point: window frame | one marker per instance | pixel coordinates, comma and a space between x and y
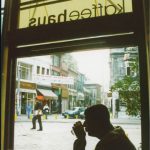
79, 39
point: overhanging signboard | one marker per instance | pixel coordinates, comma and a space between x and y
35, 13
54, 79
62, 80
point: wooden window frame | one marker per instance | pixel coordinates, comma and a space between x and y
101, 32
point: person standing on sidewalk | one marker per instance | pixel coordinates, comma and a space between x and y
46, 110
37, 115
97, 124
28, 110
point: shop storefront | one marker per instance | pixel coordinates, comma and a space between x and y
61, 104
25, 95
48, 96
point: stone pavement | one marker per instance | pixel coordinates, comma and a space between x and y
56, 135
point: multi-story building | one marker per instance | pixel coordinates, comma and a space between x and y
72, 72
80, 89
60, 68
120, 63
33, 78
121, 60
117, 65
95, 92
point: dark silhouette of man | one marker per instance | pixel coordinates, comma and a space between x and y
97, 124
37, 115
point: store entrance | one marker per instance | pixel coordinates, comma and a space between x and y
23, 103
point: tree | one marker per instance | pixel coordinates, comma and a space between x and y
129, 89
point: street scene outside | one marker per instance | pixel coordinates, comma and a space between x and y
69, 83
56, 134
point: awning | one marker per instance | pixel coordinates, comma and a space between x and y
48, 94
40, 97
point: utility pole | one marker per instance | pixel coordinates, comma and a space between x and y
115, 96
60, 100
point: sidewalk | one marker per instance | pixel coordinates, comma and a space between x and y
59, 118
50, 118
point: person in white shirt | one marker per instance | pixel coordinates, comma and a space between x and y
37, 115
46, 110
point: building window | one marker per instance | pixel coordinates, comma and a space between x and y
38, 69
43, 70
25, 71
55, 73
56, 61
47, 71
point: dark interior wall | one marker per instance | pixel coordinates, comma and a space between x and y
147, 29
147, 37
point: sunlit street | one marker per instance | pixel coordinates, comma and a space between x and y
56, 134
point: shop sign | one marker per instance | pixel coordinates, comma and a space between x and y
27, 85
54, 79
44, 13
109, 94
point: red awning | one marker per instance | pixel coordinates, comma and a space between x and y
47, 94
40, 97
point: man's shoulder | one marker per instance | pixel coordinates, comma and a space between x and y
116, 139
98, 146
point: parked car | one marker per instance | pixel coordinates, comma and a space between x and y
75, 112
81, 115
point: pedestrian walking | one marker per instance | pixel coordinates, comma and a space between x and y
37, 115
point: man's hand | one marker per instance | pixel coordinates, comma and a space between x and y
79, 130
80, 142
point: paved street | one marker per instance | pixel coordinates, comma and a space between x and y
56, 134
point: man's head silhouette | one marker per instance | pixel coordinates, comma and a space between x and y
97, 123
97, 120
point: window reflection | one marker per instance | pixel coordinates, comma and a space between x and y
36, 13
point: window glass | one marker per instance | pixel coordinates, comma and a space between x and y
33, 13
88, 78
38, 69
47, 71
55, 73
24, 71
43, 70
56, 61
